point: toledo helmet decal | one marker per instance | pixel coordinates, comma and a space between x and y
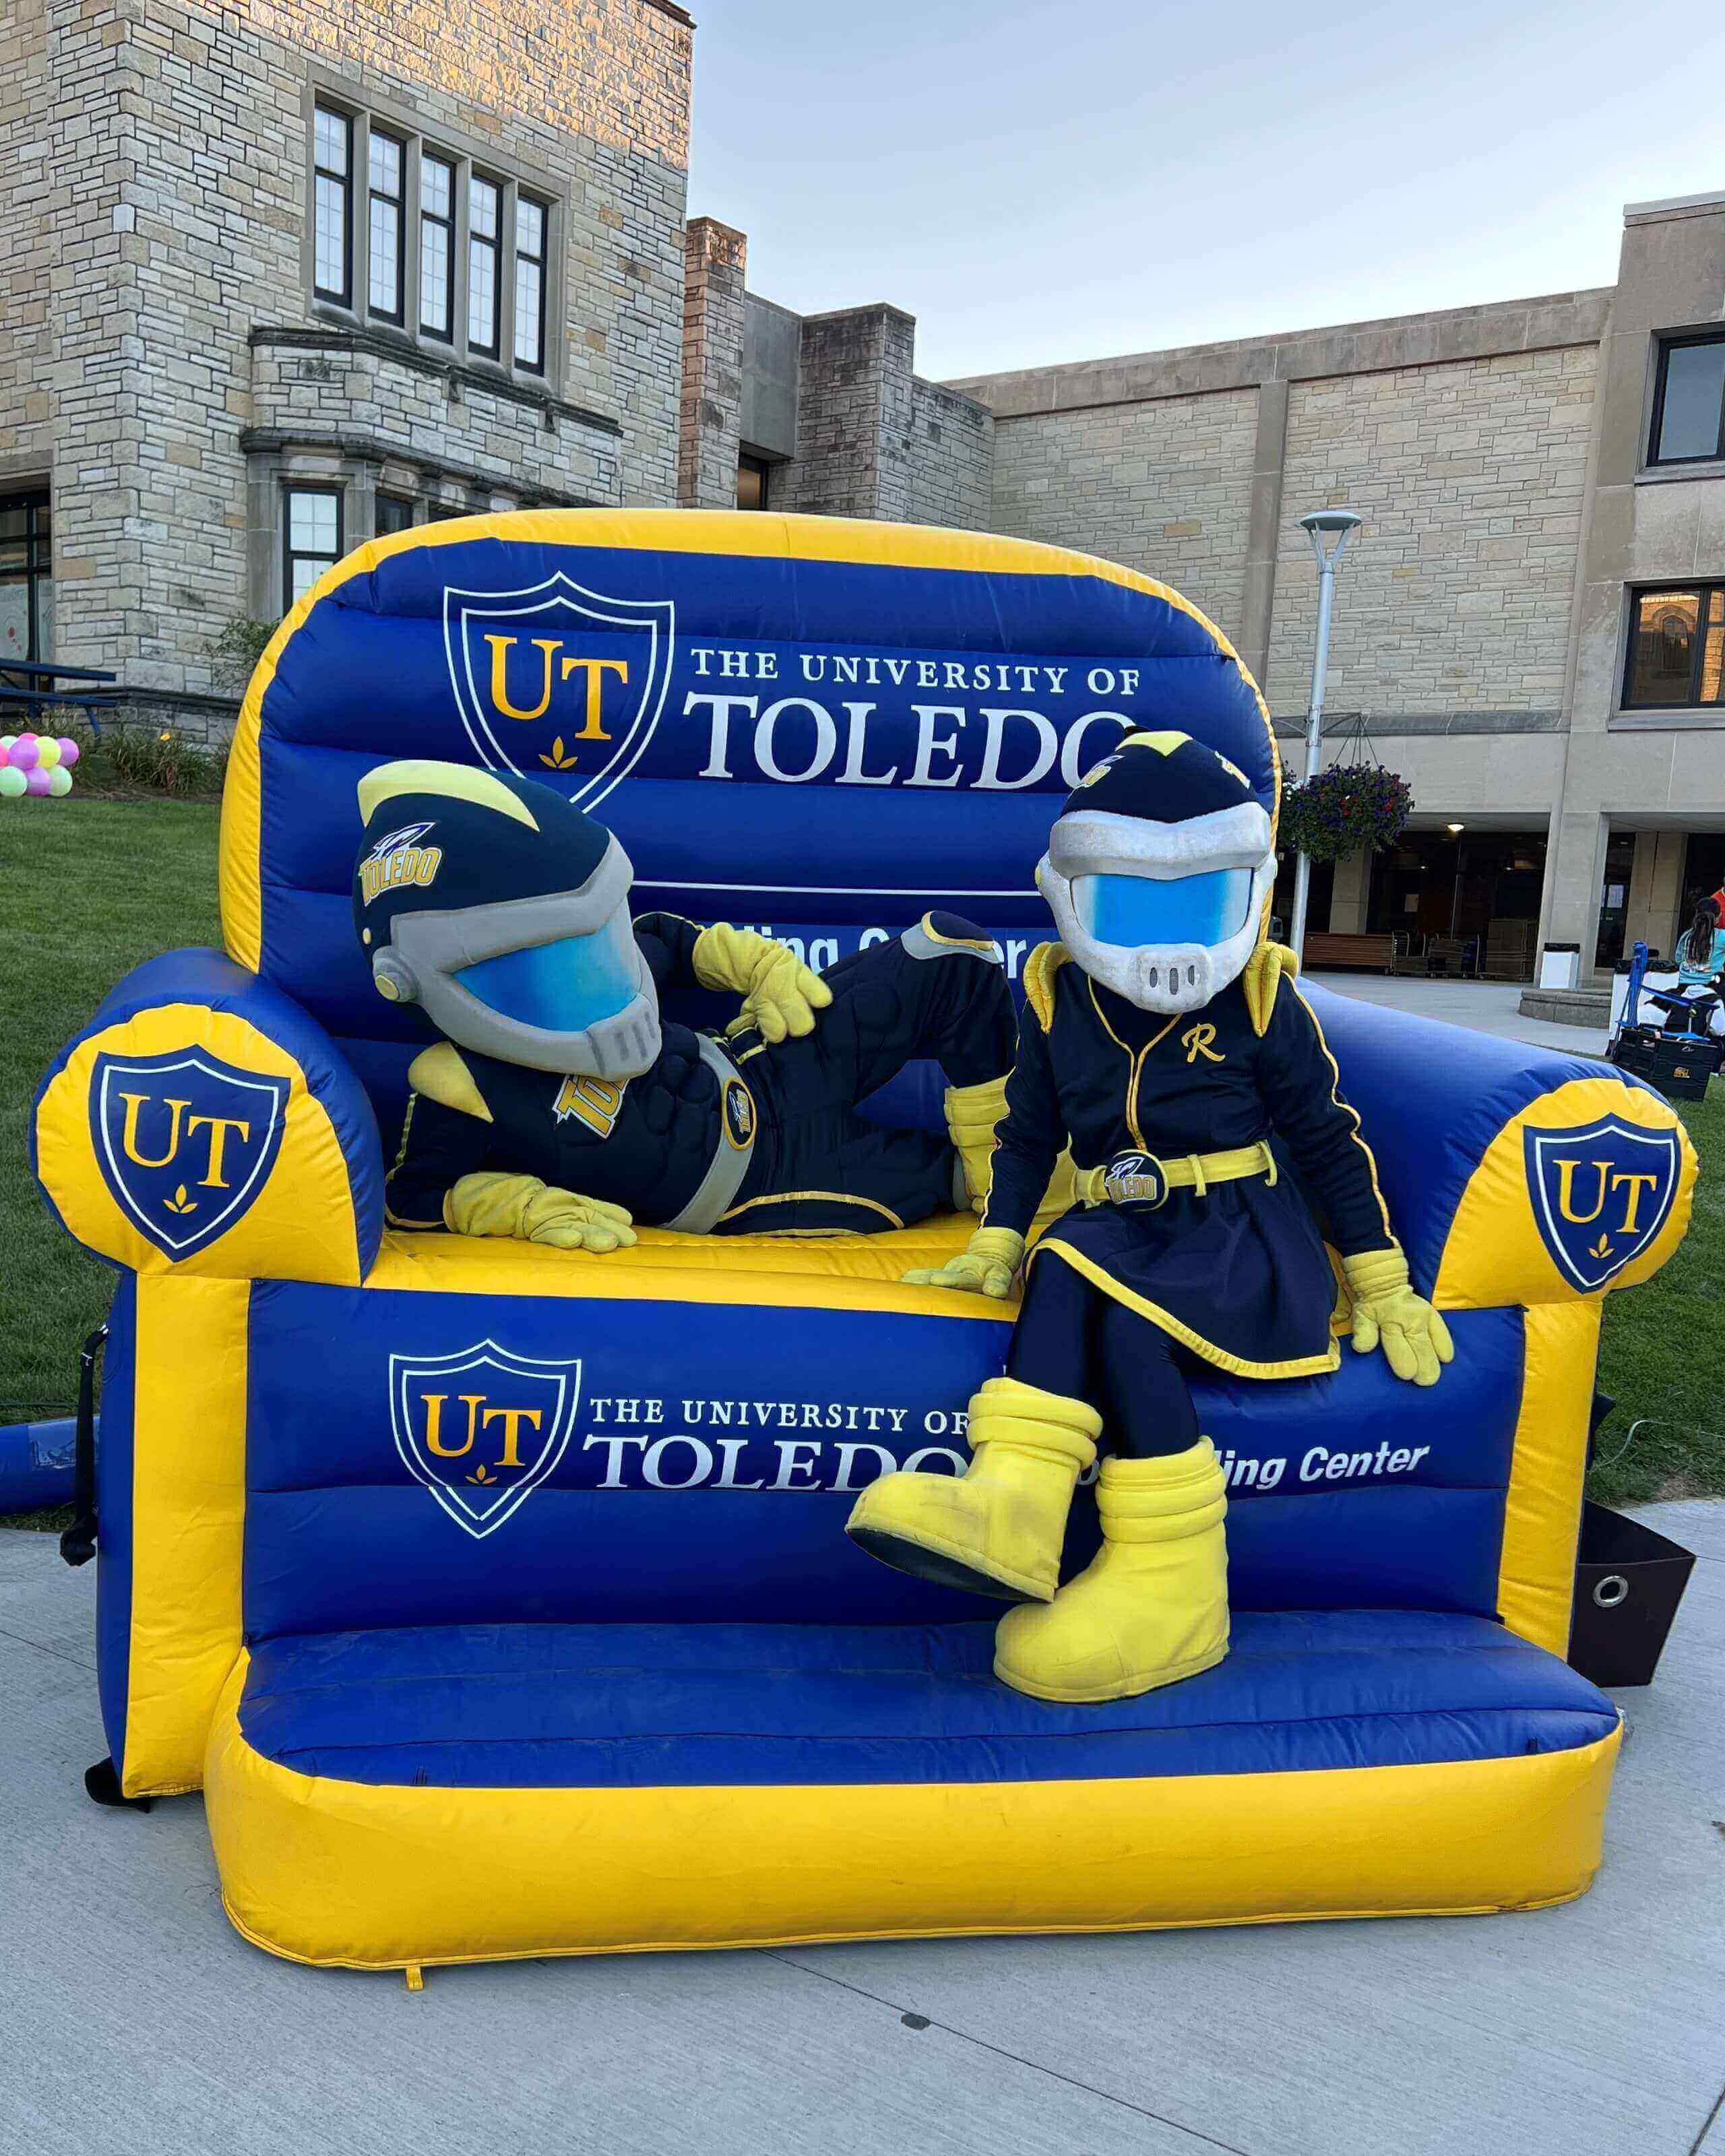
1600, 1192
482, 1428
554, 679
184, 1141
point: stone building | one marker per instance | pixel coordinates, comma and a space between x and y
1531, 625
278, 277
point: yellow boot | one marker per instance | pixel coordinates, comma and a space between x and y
998, 1528
973, 1112
1153, 1607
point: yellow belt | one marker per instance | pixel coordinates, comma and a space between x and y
1119, 1183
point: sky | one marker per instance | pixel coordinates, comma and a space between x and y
1038, 182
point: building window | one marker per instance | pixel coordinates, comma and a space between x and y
26, 575
437, 248
311, 538
531, 218
1689, 402
754, 483
332, 220
408, 232
483, 294
1676, 649
386, 165
395, 513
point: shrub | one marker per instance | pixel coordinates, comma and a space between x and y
161, 761
235, 652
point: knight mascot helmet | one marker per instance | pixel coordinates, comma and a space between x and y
503, 912
1159, 872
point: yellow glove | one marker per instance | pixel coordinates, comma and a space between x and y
1387, 1312
493, 1203
987, 1264
780, 994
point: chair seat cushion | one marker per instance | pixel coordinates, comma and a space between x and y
454, 1792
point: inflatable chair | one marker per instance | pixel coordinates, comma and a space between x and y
498, 1598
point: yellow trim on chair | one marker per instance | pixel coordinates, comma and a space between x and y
840, 1272
1542, 1509
188, 1518
356, 1876
1494, 1253
301, 1225
769, 536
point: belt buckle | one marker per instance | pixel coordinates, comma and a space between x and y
1135, 1180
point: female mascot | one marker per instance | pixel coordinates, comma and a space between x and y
1163, 1035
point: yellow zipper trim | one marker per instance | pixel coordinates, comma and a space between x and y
1137, 1062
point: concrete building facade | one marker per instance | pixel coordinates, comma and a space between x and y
1530, 627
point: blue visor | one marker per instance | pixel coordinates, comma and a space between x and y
1135, 911
564, 987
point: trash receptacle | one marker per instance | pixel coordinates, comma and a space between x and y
1629, 1580
1560, 965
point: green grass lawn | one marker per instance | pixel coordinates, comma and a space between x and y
89, 887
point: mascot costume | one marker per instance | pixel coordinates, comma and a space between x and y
1163, 1035
560, 1109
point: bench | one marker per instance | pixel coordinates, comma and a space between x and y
1341, 949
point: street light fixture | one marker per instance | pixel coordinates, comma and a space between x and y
1328, 530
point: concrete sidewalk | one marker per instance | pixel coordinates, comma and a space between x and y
1481, 1006
135, 2021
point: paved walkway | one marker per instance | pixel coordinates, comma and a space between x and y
134, 2021
1483, 1006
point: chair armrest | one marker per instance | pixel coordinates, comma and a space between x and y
1513, 1174
203, 1123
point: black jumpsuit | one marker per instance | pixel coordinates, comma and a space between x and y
1122, 1304
816, 1167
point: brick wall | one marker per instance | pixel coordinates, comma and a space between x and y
952, 458
29, 179
715, 264
1470, 478
1163, 486
177, 209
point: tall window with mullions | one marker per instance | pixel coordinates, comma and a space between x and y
332, 219
437, 248
530, 231
26, 577
483, 236
384, 231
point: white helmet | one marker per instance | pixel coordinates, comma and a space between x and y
1159, 872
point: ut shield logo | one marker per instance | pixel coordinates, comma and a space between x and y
184, 1141
481, 1427
554, 678
1601, 1194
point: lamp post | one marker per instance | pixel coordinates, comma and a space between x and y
1328, 530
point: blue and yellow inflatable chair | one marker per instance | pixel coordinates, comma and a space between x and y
498, 1598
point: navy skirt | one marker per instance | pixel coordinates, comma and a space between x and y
1239, 1274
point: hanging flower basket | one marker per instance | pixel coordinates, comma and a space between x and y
1349, 807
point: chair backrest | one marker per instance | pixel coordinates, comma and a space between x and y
807, 724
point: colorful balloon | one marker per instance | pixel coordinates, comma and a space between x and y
6, 742
47, 751
70, 751
12, 783
22, 755
60, 782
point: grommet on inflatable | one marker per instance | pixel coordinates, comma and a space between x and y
513, 1307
